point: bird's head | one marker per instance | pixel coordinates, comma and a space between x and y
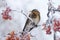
34, 13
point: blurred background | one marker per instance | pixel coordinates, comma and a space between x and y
18, 19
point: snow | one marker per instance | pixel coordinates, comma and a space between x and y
18, 19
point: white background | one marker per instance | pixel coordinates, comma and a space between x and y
18, 19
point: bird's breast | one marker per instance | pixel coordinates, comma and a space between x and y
36, 20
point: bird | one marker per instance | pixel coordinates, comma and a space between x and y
29, 25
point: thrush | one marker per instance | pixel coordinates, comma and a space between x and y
29, 25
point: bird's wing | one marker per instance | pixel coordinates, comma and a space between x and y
27, 22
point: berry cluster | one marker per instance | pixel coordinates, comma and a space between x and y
5, 14
13, 36
56, 25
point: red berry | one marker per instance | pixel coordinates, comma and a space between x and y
48, 31
9, 17
5, 17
